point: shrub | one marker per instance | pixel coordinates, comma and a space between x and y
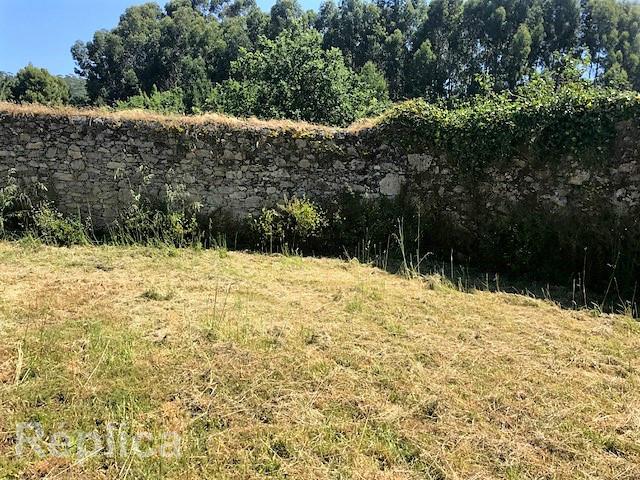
6, 84
290, 225
52, 228
17, 207
538, 121
37, 85
293, 77
25, 213
10, 199
170, 101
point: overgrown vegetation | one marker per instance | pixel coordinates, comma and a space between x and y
293, 77
169, 220
289, 226
595, 265
170, 101
37, 85
538, 122
6, 83
29, 213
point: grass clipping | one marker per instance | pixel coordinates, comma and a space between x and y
283, 367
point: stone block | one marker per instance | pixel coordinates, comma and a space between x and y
391, 184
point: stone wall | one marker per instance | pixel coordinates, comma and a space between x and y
90, 162
565, 185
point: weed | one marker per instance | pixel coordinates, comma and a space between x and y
289, 225
156, 295
354, 305
52, 228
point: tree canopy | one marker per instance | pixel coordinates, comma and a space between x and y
6, 83
37, 85
293, 77
348, 58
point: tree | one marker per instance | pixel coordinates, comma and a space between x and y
439, 59
257, 23
119, 63
629, 44
422, 68
518, 63
600, 32
293, 77
394, 62
6, 83
37, 85
191, 53
150, 48
616, 77
561, 28
285, 14
499, 41
77, 90
442, 49
611, 33
372, 92
356, 28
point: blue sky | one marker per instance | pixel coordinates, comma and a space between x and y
42, 31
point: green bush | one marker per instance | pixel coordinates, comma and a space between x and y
37, 85
11, 201
52, 228
18, 207
289, 226
293, 77
24, 213
170, 101
6, 84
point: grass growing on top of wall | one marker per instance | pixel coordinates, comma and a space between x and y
542, 115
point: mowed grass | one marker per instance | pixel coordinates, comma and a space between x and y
284, 367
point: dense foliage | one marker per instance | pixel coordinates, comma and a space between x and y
541, 124
539, 121
40, 91
6, 83
293, 77
288, 226
170, 101
229, 55
77, 90
37, 85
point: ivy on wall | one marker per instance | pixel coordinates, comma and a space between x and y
538, 122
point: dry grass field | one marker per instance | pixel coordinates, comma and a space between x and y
215, 119
284, 367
